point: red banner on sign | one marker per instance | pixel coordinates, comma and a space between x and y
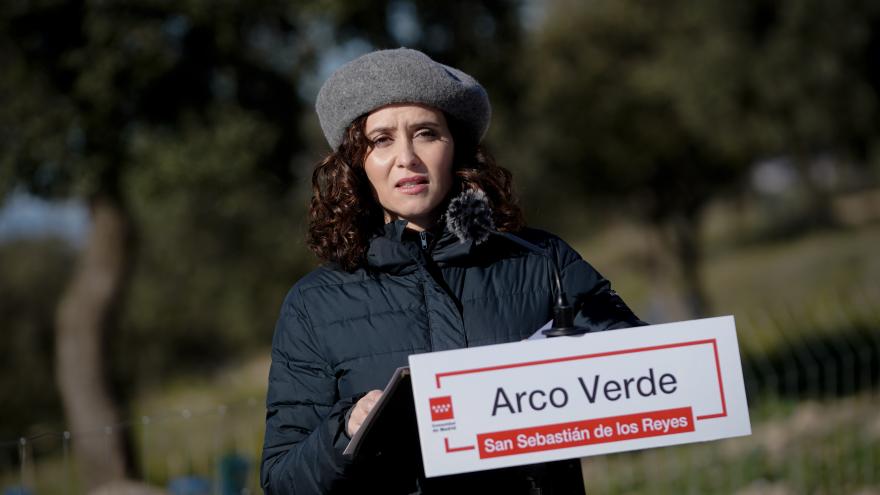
587, 432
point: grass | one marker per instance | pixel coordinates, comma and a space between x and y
779, 292
181, 429
808, 447
217, 416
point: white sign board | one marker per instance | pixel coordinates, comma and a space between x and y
568, 397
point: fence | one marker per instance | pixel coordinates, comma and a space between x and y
812, 373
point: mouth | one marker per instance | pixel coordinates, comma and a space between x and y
412, 185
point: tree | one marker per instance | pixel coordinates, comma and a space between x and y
815, 83
83, 83
662, 108
644, 105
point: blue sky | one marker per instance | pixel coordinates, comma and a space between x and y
23, 216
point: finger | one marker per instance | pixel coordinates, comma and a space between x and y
356, 425
361, 409
355, 420
357, 416
369, 400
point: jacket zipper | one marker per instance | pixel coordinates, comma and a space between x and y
427, 308
429, 283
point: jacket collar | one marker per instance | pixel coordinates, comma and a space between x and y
397, 250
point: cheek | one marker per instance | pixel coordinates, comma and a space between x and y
375, 174
371, 176
445, 171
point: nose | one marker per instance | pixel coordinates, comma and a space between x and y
406, 155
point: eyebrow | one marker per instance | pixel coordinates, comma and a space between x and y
426, 123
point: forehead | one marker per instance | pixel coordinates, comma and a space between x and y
403, 115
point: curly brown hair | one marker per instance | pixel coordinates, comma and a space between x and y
344, 214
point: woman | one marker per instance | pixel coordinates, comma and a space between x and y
405, 133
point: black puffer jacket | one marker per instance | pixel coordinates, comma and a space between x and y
342, 334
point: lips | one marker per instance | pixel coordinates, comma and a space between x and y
411, 181
412, 185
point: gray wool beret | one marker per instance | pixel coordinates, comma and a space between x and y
402, 75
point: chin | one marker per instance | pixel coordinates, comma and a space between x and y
416, 210
414, 214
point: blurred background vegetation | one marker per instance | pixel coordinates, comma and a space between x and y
709, 157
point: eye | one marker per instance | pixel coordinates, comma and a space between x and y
427, 133
381, 141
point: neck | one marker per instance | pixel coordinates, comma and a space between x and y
417, 224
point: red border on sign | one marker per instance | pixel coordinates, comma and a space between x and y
456, 449
618, 352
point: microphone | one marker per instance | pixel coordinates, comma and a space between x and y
469, 217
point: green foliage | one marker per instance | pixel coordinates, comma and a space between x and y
218, 246
665, 106
813, 75
87, 77
640, 102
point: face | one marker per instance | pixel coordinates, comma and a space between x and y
410, 163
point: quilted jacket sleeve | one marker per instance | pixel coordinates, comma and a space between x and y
598, 305
305, 434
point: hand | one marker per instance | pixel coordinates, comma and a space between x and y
360, 411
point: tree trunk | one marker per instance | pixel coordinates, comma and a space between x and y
664, 303
687, 246
82, 320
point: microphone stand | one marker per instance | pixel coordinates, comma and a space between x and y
563, 313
